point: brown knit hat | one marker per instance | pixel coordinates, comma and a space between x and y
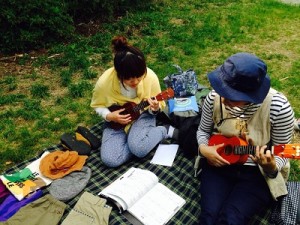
58, 164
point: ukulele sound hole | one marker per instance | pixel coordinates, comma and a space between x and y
228, 150
125, 112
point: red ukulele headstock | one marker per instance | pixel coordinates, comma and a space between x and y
291, 151
169, 93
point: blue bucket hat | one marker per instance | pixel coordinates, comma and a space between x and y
242, 77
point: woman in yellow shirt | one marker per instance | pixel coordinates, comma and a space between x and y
128, 81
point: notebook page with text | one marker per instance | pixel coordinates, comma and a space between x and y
130, 187
158, 206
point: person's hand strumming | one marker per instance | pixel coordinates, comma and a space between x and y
212, 156
117, 117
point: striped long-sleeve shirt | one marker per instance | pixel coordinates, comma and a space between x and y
281, 119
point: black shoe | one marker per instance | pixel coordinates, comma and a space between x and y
95, 142
69, 142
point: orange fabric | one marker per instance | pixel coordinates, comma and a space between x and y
58, 164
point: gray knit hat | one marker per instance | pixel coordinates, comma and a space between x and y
69, 186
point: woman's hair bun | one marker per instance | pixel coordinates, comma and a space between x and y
119, 43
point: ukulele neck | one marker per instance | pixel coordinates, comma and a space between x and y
141, 106
244, 150
247, 150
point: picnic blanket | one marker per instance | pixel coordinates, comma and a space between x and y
179, 178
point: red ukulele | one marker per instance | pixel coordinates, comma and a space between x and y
135, 109
236, 150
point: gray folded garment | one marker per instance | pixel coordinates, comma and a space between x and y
69, 186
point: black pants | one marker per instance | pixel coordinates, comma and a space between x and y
232, 194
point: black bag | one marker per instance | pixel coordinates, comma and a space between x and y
188, 125
187, 137
184, 84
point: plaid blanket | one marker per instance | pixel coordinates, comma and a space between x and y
179, 178
285, 212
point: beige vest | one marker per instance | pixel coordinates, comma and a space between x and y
258, 129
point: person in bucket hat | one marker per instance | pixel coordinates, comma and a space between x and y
242, 107
242, 77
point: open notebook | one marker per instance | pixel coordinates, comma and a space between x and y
139, 192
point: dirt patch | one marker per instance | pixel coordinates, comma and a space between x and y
292, 2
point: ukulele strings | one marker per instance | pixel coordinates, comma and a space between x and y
142, 105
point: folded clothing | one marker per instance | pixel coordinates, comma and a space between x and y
89, 209
71, 185
23, 182
4, 192
11, 205
44, 210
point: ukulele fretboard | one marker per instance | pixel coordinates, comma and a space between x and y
244, 150
140, 106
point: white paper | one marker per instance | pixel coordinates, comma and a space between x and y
165, 154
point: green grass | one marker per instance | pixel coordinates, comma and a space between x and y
44, 97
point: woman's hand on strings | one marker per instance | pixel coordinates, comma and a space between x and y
212, 156
265, 159
154, 104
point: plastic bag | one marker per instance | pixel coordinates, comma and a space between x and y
184, 83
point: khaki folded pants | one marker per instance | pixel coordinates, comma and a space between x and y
45, 210
89, 209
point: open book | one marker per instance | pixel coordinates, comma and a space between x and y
139, 192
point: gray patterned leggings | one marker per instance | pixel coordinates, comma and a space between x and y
118, 147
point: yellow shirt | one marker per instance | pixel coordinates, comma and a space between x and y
107, 90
